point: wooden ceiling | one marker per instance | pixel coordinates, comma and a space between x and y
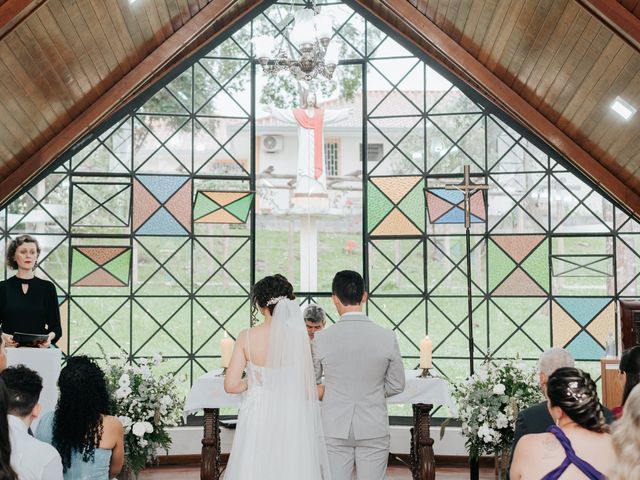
66, 65
553, 65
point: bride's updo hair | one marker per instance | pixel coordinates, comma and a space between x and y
575, 393
269, 288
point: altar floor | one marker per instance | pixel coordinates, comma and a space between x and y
393, 473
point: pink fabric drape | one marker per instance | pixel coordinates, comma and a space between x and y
313, 123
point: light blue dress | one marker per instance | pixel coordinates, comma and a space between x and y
98, 469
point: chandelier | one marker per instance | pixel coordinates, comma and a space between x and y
311, 35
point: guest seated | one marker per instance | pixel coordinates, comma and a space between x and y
6, 471
30, 458
536, 419
630, 366
578, 445
90, 442
626, 439
314, 320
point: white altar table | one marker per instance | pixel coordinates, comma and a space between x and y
207, 393
45, 361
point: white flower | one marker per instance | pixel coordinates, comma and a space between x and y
502, 421
166, 400
157, 359
486, 433
140, 428
125, 420
145, 371
124, 380
499, 389
123, 392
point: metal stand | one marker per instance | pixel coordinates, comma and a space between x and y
423, 462
210, 466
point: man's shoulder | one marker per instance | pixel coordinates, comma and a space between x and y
535, 410
45, 450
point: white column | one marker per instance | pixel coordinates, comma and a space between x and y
308, 254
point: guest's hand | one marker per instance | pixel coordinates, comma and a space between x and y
47, 342
9, 341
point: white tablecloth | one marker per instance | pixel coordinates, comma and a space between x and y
45, 361
208, 392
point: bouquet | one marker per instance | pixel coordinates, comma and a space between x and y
146, 403
489, 402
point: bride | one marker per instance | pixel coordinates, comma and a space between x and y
279, 433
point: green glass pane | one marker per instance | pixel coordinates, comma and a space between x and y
413, 207
500, 265
119, 266
378, 206
537, 265
81, 266
204, 205
240, 208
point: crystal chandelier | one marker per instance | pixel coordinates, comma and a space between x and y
311, 34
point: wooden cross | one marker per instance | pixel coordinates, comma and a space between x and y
467, 187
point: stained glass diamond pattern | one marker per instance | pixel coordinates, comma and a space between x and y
581, 324
222, 207
396, 206
447, 206
100, 266
518, 265
162, 205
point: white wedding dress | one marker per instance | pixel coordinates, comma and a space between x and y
279, 432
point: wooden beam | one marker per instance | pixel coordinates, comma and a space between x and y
419, 30
618, 19
205, 25
13, 12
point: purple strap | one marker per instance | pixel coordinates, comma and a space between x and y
584, 467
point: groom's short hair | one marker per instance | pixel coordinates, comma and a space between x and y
348, 286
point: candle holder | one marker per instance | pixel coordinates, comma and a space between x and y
425, 373
223, 373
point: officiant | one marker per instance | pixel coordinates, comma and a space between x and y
28, 304
314, 320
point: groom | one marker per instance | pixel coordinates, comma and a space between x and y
362, 366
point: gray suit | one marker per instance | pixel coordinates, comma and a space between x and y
362, 366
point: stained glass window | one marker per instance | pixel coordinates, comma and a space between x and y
155, 230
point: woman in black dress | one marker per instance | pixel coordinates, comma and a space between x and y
28, 304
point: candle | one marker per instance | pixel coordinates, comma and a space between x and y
226, 349
426, 347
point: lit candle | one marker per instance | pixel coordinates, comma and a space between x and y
226, 349
425, 352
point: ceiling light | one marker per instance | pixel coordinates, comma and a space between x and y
311, 35
623, 108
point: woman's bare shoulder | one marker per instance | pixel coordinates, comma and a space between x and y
112, 424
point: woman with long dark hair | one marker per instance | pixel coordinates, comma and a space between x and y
578, 445
90, 442
6, 472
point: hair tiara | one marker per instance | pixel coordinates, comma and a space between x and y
275, 300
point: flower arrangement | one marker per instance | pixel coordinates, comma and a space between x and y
489, 402
146, 404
